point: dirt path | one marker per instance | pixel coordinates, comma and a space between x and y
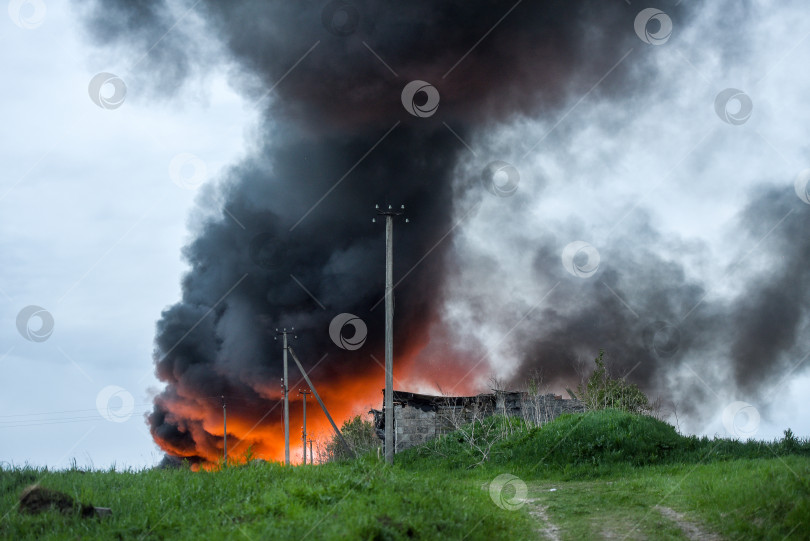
690, 529
624, 521
540, 513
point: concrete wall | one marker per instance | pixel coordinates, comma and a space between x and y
418, 421
413, 425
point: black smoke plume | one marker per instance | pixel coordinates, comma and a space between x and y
335, 140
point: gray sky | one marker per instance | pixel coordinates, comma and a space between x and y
95, 204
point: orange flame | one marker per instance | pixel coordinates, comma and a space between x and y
262, 431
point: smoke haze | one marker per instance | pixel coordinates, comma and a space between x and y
568, 94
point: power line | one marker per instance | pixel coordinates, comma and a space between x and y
242, 398
67, 420
57, 412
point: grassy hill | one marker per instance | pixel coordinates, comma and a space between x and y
589, 444
612, 467
594, 475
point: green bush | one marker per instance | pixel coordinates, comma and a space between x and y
596, 438
600, 391
359, 434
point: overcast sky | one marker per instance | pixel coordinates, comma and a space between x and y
95, 198
92, 227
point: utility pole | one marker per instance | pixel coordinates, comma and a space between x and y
389, 327
343, 441
285, 389
311, 456
304, 428
224, 431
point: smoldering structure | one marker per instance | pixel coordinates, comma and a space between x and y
286, 239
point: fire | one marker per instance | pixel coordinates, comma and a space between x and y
258, 426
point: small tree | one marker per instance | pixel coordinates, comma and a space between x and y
601, 391
359, 434
249, 456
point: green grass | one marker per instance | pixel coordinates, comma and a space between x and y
592, 444
356, 500
739, 499
609, 470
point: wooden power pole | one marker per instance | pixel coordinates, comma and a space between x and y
285, 389
304, 428
389, 328
224, 432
